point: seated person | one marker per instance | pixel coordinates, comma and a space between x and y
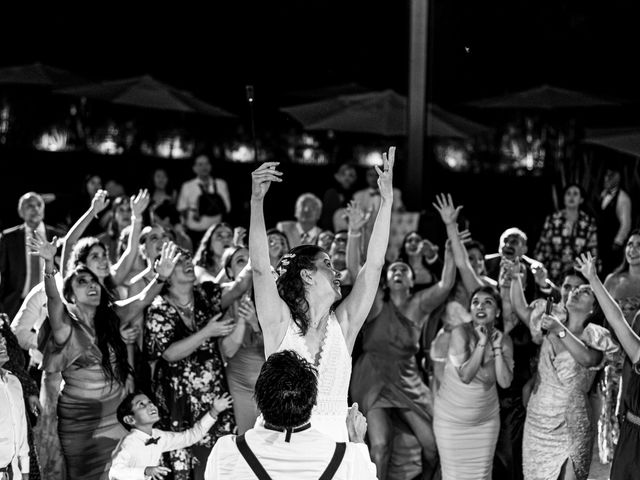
305, 230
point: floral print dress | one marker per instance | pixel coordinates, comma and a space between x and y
184, 390
561, 242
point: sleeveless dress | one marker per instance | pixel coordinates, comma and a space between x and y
626, 461
559, 424
334, 372
87, 423
466, 421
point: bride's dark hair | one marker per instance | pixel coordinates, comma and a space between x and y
290, 285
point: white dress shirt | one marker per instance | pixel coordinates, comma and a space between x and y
28, 233
14, 448
188, 201
306, 456
132, 456
29, 319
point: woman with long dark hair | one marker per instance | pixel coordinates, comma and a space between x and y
559, 431
295, 312
86, 345
208, 257
422, 256
243, 349
183, 326
466, 409
624, 286
626, 462
566, 234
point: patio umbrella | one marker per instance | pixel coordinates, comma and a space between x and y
625, 140
381, 113
38, 74
325, 92
544, 97
146, 92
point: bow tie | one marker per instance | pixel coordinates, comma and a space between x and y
151, 441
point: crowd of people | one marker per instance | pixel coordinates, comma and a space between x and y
154, 340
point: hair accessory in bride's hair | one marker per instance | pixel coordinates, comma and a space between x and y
284, 263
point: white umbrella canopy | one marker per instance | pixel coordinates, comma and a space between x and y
146, 92
544, 97
38, 74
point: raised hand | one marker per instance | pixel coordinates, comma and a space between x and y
464, 236
169, 257
100, 201
385, 176
356, 424
586, 265
139, 203
221, 403
42, 248
356, 216
448, 212
262, 177
540, 273
240, 236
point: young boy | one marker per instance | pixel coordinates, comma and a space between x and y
137, 456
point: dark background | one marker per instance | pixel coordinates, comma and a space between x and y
214, 49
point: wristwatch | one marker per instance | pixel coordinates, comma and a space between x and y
562, 333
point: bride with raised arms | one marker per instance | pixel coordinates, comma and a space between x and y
295, 311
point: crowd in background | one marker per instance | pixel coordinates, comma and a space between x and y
469, 364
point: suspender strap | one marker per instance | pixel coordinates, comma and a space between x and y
335, 462
262, 474
251, 459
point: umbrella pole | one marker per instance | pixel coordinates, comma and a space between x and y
254, 139
417, 100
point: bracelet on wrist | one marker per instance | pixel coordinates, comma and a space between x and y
482, 345
51, 274
354, 235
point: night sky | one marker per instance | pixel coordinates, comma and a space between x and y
477, 48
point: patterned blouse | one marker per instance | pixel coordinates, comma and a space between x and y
184, 390
561, 242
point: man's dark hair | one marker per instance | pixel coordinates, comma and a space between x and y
286, 389
126, 408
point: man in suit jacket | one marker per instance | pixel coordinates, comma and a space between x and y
305, 231
19, 271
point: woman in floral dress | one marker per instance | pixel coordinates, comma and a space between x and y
567, 234
182, 327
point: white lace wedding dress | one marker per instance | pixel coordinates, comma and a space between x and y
334, 372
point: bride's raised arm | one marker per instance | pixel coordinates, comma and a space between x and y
352, 312
272, 311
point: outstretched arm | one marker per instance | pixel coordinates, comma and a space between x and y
271, 309
121, 269
586, 264
432, 297
352, 312
357, 220
60, 327
449, 215
98, 204
130, 308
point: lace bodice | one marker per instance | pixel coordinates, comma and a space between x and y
334, 366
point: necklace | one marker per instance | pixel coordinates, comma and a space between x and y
185, 309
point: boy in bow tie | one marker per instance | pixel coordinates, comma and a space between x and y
137, 456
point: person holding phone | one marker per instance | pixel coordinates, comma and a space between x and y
558, 431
